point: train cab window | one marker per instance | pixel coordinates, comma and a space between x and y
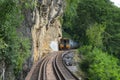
64, 41
67, 41
64, 44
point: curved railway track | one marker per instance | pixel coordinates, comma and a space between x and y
60, 71
42, 70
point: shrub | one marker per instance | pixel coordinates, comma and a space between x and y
13, 48
101, 66
104, 66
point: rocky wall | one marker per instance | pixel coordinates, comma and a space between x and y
46, 27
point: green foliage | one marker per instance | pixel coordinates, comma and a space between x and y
95, 35
69, 16
103, 66
70, 10
2, 44
84, 65
112, 37
66, 35
85, 49
100, 11
100, 65
13, 49
22, 54
80, 16
28, 4
95, 23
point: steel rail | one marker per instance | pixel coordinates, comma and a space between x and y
57, 72
42, 69
61, 71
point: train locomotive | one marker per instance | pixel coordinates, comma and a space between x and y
66, 44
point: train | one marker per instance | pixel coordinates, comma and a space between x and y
66, 44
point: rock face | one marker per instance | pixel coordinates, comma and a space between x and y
46, 26
42, 26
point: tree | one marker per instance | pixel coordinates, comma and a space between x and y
99, 65
103, 67
13, 49
69, 17
95, 35
89, 12
101, 41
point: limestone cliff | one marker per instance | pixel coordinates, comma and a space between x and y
46, 27
41, 25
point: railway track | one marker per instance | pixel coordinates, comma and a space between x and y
60, 71
42, 70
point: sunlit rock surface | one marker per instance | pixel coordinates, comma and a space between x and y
46, 27
42, 26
